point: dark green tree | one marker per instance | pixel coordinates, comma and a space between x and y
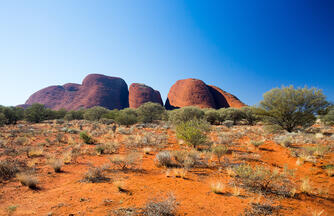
289, 108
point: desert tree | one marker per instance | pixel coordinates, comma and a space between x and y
289, 108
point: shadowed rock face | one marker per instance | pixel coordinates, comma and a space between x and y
194, 92
96, 90
140, 94
224, 99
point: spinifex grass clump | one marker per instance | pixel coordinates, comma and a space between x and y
27, 179
262, 179
86, 138
56, 164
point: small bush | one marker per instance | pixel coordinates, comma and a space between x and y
56, 164
256, 144
249, 114
185, 114
263, 179
284, 140
192, 133
218, 187
35, 152
328, 119
231, 114
86, 138
7, 170
74, 115
27, 180
107, 148
219, 151
95, 174
127, 117
165, 207
125, 162
3, 119
213, 117
163, 159
149, 112
95, 113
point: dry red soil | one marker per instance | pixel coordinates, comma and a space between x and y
65, 194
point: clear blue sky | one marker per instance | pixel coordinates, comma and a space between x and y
244, 47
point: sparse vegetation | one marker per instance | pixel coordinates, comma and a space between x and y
86, 138
165, 207
27, 180
163, 159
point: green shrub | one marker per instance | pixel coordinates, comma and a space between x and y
86, 138
290, 108
95, 113
249, 114
329, 117
12, 114
262, 179
191, 132
37, 113
219, 151
213, 116
185, 114
231, 114
111, 114
127, 117
74, 115
149, 112
3, 119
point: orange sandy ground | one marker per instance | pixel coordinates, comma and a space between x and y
64, 194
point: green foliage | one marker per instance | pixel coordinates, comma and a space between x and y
329, 117
192, 133
37, 113
249, 114
185, 114
219, 151
231, 114
12, 114
59, 114
3, 119
112, 114
74, 115
263, 179
290, 108
95, 113
127, 117
149, 112
213, 116
86, 138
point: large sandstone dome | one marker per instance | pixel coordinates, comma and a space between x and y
141, 93
96, 90
194, 92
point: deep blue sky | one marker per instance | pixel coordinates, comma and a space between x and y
244, 47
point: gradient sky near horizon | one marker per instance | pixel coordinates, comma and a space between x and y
244, 47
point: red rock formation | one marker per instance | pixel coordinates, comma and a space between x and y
189, 92
96, 90
194, 92
140, 94
224, 99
